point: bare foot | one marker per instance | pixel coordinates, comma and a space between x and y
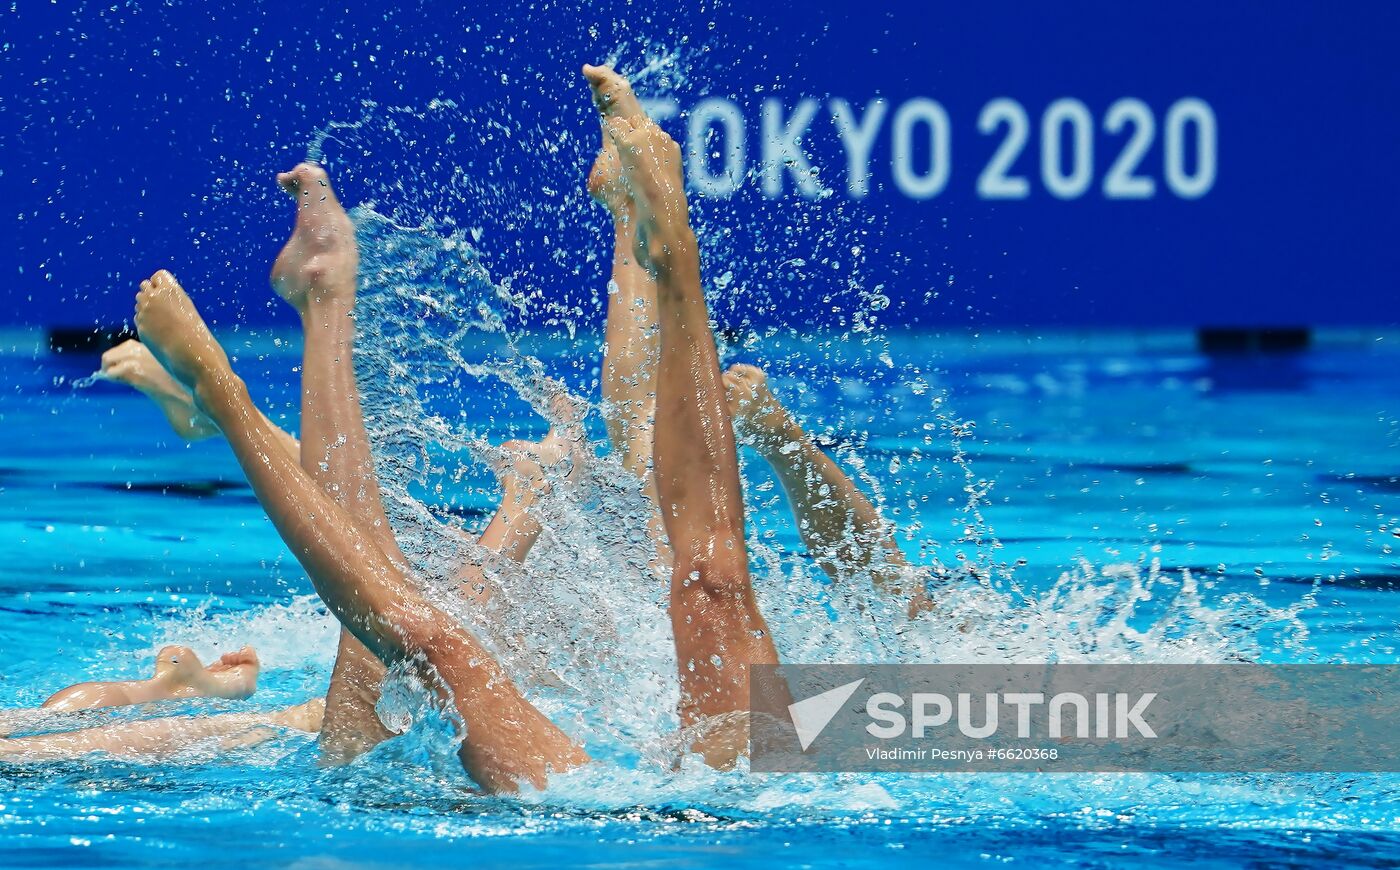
173, 331
566, 415
612, 92
178, 664
131, 363
303, 717
180, 674
650, 159
320, 261
522, 467
605, 181
235, 674
760, 420
526, 467
243, 657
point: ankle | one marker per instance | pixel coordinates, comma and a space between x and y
670, 239
329, 325
200, 683
214, 392
778, 441
624, 219
165, 686
327, 309
189, 422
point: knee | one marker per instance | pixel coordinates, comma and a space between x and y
722, 578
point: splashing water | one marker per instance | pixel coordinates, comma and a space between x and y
582, 625
449, 308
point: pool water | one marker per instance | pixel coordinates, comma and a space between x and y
1111, 458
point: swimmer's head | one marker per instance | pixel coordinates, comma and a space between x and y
177, 661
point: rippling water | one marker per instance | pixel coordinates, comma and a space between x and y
1114, 497
1122, 466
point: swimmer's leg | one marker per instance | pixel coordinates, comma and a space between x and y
157, 737
508, 739
132, 364
839, 526
718, 629
513, 529
525, 476
317, 273
631, 349
178, 674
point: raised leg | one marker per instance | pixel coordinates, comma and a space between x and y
839, 526
317, 273
718, 629
631, 350
526, 471
131, 363
508, 740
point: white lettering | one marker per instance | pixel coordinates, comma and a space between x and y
994, 183
1120, 182
858, 138
921, 718
1198, 112
1081, 714
1134, 715
989, 725
1076, 114
921, 110
702, 117
782, 148
1023, 702
882, 706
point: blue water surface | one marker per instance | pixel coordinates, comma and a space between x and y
1273, 475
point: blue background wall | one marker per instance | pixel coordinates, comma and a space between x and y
142, 135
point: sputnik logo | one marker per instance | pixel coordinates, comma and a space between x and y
811, 716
